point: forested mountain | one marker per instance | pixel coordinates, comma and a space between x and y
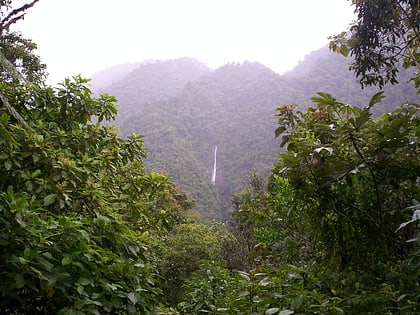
184, 109
110, 75
151, 82
90, 225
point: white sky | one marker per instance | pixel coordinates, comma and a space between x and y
85, 36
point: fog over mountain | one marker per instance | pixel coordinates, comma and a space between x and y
184, 109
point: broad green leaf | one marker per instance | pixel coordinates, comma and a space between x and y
8, 165
84, 281
49, 199
296, 302
27, 253
23, 261
19, 280
264, 282
65, 261
243, 293
6, 135
378, 97
415, 218
132, 297
36, 173
293, 275
324, 99
344, 50
244, 275
44, 263
279, 131
272, 310
35, 157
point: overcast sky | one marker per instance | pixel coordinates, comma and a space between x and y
85, 36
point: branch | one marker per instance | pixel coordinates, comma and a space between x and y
14, 16
10, 69
372, 174
13, 111
378, 197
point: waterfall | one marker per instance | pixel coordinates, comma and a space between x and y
213, 178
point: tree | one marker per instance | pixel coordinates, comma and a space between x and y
15, 49
78, 210
77, 207
385, 34
182, 252
356, 175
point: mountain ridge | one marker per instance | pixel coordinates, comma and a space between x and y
183, 109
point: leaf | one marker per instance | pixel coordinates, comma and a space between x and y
35, 157
378, 97
279, 131
49, 199
415, 240
296, 302
244, 275
328, 149
362, 119
324, 99
8, 165
44, 263
23, 261
293, 275
84, 281
415, 218
65, 261
272, 310
19, 280
36, 173
344, 50
243, 293
264, 282
132, 297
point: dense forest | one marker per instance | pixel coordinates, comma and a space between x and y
107, 204
185, 109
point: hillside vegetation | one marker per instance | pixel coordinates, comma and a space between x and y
315, 208
185, 109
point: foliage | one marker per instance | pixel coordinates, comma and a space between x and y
344, 191
182, 252
77, 207
267, 225
356, 175
338, 157
208, 288
283, 290
87, 230
183, 111
16, 50
302, 289
385, 34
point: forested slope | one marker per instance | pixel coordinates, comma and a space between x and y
184, 109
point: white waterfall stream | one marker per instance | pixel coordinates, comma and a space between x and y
213, 178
